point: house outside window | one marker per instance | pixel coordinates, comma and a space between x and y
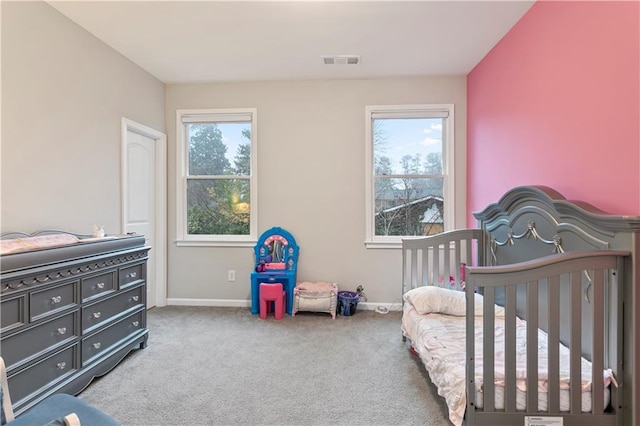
216, 177
409, 181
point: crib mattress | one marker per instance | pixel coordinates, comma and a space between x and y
440, 343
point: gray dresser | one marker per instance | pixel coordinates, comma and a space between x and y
69, 314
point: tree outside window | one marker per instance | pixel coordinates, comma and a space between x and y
218, 186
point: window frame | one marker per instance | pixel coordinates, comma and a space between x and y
191, 116
448, 165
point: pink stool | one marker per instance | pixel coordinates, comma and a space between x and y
272, 292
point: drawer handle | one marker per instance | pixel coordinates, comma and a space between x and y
135, 323
100, 285
97, 315
135, 298
62, 330
61, 365
133, 275
56, 299
97, 345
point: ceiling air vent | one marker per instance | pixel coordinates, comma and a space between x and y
341, 60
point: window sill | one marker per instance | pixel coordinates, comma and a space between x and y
383, 244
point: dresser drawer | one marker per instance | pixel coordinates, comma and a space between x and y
35, 341
131, 274
99, 313
51, 300
13, 312
44, 373
102, 341
100, 285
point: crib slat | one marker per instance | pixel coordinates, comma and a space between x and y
470, 358
597, 363
576, 343
488, 343
436, 264
554, 344
457, 260
469, 253
532, 346
413, 253
447, 263
616, 346
424, 275
510, 349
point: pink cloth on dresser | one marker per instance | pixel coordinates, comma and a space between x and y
18, 245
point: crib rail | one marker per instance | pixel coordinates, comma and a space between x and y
437, 259
537, 291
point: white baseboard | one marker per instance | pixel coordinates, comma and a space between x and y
366, 306
371, 306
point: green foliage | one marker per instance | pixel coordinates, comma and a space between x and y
217, 206
207, 151
242, 160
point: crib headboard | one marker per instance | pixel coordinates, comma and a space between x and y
530, 222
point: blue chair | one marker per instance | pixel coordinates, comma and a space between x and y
276, 261
56, 410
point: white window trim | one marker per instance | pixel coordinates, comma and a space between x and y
448, 161
204, 115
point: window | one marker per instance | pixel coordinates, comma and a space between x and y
216, 169
409, 180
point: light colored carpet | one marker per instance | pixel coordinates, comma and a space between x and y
224, 366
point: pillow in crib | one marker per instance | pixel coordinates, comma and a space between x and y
432, 299
438, 300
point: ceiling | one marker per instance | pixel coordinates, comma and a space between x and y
207, 41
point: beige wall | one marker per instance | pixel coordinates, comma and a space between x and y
311, 180
64, 94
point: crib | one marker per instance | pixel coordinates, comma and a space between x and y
520, 321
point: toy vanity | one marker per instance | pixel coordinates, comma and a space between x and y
276, 256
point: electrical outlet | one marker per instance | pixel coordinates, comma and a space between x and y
231, 275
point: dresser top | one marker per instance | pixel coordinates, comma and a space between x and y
40, 256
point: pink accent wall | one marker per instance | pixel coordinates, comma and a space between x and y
556, 103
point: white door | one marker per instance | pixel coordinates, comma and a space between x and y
144, 211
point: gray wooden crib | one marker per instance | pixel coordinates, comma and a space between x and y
550, 274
